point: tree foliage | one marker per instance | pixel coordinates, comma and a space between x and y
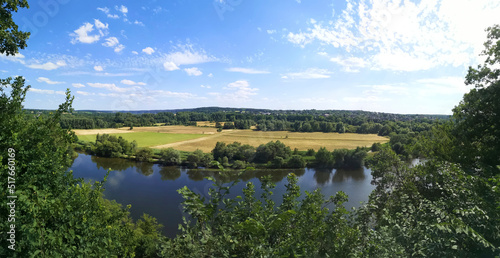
11, 39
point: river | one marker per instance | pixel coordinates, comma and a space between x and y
152, 189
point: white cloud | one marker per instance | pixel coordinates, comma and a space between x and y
187, 56
119, 48
98, 68
404, 35
246, 70
210, 75
135, 52
311, 73
148, 50
84, 93
103, 9
122, 9
170, 66
100, 26
271, 31
47, 80
47, 91
138, 23
113, 16
206, 86
242, 91
107, 86
82, 34
48, 66
350, 64
193, 71
113, 42
131, 83
15, 58
78, 85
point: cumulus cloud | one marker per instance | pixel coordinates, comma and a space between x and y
48, 65
170, 66
406, 35
84, 93
241, 91
148, 50
40, 91
83, 34
193, 71
47, 80
131, 83
107, 86
311, 73
246, 70
114, 43
14, 58
78, 85
186, 56
123, 9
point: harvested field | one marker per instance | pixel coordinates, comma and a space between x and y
176, 129
147, 139
102, 131
301, 141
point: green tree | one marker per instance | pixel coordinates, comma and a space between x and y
144, 155
170, 157
11, 39
477, 117
323, 158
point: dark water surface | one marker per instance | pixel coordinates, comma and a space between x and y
152, 189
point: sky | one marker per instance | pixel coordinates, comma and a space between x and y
406, 57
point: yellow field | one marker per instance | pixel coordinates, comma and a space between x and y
206, 143
157, 129
301, 141
207, 123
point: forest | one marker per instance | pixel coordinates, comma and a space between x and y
448, 206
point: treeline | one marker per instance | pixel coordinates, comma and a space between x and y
295, 121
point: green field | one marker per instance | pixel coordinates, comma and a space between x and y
147, 139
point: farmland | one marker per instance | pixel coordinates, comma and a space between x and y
190, 138
147, 139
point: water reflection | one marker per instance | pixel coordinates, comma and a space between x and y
170, 173
342, 175
145, 168
115, 164
322, 175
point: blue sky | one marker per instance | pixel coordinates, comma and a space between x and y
388, 56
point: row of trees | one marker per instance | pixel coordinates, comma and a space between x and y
296, 121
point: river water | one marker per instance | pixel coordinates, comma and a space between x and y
152, 189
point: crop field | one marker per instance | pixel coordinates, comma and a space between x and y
301, 141
147, 139
190, 138
207, 123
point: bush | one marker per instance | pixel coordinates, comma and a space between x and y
310, 152
239, 164
170, 157
296, 161
144, 154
